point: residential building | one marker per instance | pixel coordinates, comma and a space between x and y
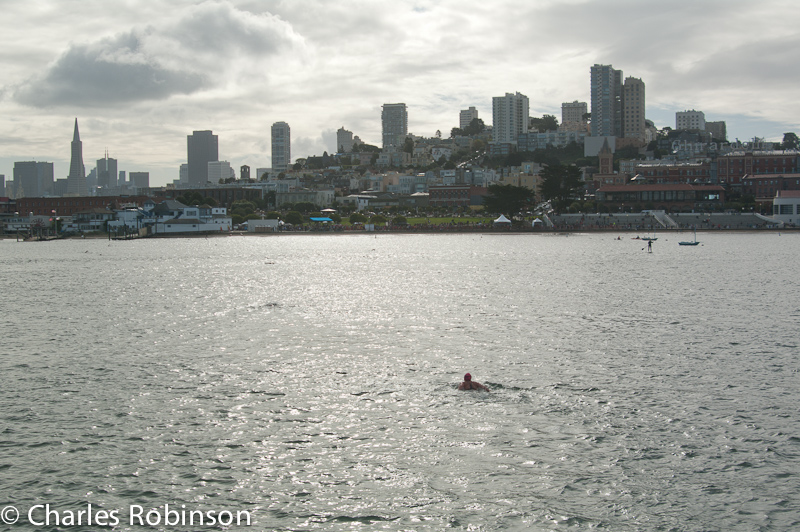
107, 172
633, 109
573, 112
394, 124
281, 147
606, 99
76, 179
202, 148
718, 131
344, 140
690, 120
466, 116
539, 141
510, 117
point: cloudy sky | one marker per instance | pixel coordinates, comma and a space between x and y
140, 75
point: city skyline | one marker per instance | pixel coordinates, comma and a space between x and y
139, 80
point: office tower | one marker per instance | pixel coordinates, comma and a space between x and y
33, 179
633, 121
606, 89
394, 123
3, 186
76, 179
244, 172
106, 172
344, 141
121, 181
183, 173
281, 146
219, 171
510, 117
690, 120
466, 116
140, 179
202, 148
573, 112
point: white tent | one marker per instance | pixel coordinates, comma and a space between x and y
502, 220
536, 221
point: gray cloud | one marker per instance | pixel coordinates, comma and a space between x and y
112, 71
201, 50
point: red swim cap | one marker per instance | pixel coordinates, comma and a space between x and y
467, 377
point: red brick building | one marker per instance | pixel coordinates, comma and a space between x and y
765, 187
732, 168
668, 197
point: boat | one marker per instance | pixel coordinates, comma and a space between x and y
693, 242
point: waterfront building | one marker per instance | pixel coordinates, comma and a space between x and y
394, 125
202, 148
606, 99
281, 146
510, 117
732, 167
665, 171
764, 187
466, 116
456, 195
107, 172
786, 206
690, 120
76, 179
633, 109
668, 197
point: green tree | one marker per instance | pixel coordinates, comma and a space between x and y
272, 215
399, 220
545, 123
790, 141
408, 145
378, 219
508, 199
211, 202
560, 184
294, 218
357, 217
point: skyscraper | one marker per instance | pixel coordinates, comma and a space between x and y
606, 89
510, 116
107, 172
633, 125
202, 148
281, 146
76, 179
394, 123
344, 141
33, 179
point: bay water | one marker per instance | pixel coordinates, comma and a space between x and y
308, 382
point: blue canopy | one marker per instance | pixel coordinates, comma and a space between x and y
321, 219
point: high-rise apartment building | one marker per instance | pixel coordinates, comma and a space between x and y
573, 112
219, 171
690, 120
107, 172
281, 146
3, 186
202, 148
394, 124
344, 140
510, 117
606, 96
633, 121
466, 116
76, 179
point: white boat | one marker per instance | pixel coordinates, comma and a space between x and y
693, 242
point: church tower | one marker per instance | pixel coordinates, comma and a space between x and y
76, 180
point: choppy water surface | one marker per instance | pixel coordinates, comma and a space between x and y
310, 381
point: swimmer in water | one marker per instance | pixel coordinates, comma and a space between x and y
470, 384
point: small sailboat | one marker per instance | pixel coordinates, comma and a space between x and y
693, 242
